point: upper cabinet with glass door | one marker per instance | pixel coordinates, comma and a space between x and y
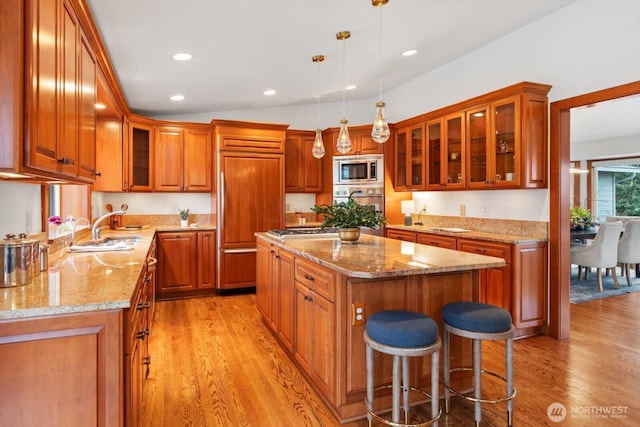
410, 158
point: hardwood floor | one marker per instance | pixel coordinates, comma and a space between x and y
215, 364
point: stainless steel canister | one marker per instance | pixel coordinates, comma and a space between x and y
35, 253
16, 261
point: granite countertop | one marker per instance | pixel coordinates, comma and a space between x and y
471, 234
85, 281
374, 256
82, 281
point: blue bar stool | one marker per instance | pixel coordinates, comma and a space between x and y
479, 321
402, 334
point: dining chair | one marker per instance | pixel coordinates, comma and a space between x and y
629, 247
602, 253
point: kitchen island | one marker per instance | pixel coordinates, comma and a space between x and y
316, 294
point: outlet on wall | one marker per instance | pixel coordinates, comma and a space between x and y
424, 208
485, 210
463, 210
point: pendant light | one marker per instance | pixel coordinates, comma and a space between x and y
344, 142
380, 131
318, 145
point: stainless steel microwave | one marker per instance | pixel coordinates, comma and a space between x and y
358, 169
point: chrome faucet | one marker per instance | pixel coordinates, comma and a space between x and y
73, 229
95, 231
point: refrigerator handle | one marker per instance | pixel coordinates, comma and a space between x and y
221, 193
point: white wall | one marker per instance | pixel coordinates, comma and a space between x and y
19, 208
585, 46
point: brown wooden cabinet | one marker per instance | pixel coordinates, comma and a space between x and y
520, 286
186, 263
139, 154
315, 318
361, 141
62, 370
183, 159
410, 158
137, 329
494, 141
302, 171
61, 92
275, 284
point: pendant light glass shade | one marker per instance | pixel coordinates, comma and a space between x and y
380, 131
343, 144
318, 145
318, 150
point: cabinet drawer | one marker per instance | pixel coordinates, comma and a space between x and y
445, 242
500, 250
407, 236
321, 280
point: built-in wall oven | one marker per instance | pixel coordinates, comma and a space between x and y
371, 194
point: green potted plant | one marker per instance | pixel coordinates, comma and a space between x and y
348, 217
184, 217
580, 218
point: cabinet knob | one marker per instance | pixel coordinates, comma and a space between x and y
98, 174
147, 360
65, 161
308, 277
140, 335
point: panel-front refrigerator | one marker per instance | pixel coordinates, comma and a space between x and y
250, 199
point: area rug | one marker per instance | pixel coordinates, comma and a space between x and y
587, 290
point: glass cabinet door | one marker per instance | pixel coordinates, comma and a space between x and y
401, 159
434, 136
417, 158
140, 157
455, 153
504, 146
477, 132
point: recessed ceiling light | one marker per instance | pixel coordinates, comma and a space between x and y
100, 106
409, 52
182, 56
350, 87
176, 97
270, 92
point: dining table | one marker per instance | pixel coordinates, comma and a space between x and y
584, 235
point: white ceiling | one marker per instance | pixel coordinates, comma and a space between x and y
243, 47
608, 120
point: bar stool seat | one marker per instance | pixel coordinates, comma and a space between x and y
479, 321
402, 334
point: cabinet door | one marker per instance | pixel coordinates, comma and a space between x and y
264, 291
285, 318
434, 156
505, 144
177, 262
140, 157
109, 155
530, 285
311, 168
533, 141
293, 182
197, 168
206, 259
303, 326
323, 370
87, 111
169, 152
366, 144
454, 153
410, 158
477, 136
43, 86
495, 283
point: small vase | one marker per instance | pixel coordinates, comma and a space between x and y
349, 235
184, 223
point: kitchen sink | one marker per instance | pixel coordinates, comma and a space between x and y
110, 243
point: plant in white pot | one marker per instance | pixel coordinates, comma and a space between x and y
184, 217
348, 217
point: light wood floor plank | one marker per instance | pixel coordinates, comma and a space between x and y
214, 363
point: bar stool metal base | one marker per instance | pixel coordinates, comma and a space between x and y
477, 338
401, 354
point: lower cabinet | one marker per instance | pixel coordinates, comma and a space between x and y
186, 263
62, 370
314, 340
520, 286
